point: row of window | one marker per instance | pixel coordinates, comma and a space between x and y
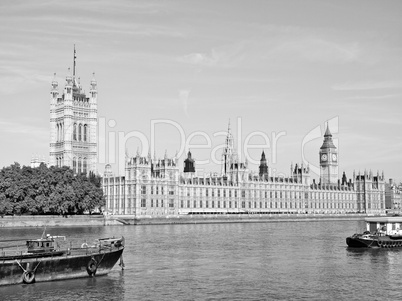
160, 203
59, 161
80, 165
263, 194
60, 131
157, 203
144, 190
247, 205
159, 190
80, 132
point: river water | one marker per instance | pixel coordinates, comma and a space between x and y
243, 261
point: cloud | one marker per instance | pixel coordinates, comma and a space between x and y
371, 97
312, 47
227, 55
22, 128
316, 49
183, 95
201, 58
368, 85
21, 78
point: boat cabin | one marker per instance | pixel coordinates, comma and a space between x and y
41, 245
384, 225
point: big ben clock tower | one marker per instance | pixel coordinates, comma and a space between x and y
328, 160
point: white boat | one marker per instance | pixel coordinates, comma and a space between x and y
381, 232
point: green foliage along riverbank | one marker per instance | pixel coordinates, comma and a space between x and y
43, 190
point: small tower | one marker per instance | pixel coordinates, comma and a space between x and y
228, 153
108, 171
263, 166
189, 164
328, 160
344, 179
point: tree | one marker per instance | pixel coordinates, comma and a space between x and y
43, 190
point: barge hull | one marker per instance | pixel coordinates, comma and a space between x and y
41, 269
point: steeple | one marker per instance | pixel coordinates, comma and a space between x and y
228, 152
344, 179
229, 138
328, 143
327, 132
263, 165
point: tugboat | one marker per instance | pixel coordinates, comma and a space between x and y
381, 232
44, 260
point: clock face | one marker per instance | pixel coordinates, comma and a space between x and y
334, 158
324, 157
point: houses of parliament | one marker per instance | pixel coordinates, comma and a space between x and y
154, 187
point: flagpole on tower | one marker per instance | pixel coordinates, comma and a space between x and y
74, 62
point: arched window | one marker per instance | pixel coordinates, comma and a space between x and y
59, 161
79, 165
85, 132
75, 132
84, 163
75, 164
58, 132
79, 132
62, 131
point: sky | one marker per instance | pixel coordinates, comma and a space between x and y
173, 74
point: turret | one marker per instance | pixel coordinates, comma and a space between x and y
263, 166
93, 88
189, 164
344, 179
55, 90
228, 155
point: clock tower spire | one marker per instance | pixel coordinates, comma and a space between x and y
328, 160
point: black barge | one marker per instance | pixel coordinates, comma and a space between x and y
44, 260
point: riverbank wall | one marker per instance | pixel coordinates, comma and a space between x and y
229, 218
51, 221
110, 220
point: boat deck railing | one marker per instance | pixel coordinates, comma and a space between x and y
8, 252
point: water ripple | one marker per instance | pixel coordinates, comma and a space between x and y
262, 261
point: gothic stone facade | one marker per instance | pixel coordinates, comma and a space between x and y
73, 125
157, 188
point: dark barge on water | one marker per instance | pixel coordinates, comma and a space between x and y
381, 232
44, 260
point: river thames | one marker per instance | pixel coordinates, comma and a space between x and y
238, 261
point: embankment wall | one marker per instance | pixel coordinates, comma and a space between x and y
230, 218
51, 221
100, 220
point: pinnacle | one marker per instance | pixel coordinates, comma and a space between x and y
327, 132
